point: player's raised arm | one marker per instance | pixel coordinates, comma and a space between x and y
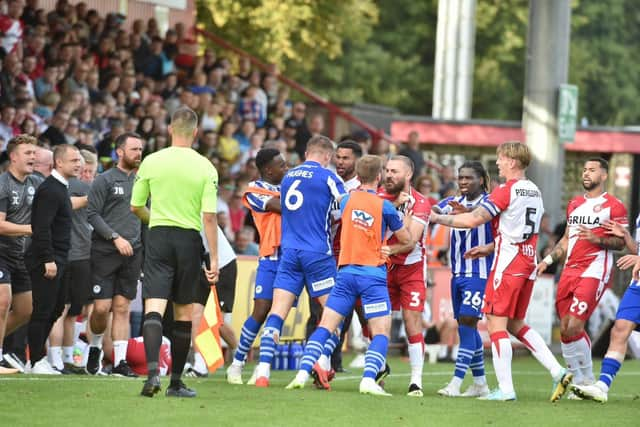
616, 229
478, 216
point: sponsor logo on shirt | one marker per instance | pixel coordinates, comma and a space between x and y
361, 218
583, 220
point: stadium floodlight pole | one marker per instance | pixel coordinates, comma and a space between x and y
546, 69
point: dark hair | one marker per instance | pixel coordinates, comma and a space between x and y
351, 145
122, 139
603, 163
265, 156
479, 170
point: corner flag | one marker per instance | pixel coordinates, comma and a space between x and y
208, 338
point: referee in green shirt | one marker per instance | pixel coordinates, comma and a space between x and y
182, 185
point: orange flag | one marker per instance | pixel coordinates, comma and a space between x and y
208, 338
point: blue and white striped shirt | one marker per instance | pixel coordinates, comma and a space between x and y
461, 240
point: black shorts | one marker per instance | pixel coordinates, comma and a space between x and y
13, 271
77, 280
114, 274
172, 267
226, 287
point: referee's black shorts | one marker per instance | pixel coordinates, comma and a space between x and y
225, 288
172, 265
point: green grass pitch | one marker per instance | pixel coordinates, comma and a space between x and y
105, 401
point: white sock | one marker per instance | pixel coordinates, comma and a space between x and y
602, 386
502, 354
481, 380
55, 357
96, 340
67, 354
263, 370
416, 361
585, 363
1, 356
324, 362
572, 359
302, 376
534, 342
119, 351
199, 364
456, 382
443, 352
235, 362
77, 330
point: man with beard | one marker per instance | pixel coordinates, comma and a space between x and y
468, 280
407, 263
515, 209
116, 254
588, 248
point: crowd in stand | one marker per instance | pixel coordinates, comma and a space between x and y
71, 76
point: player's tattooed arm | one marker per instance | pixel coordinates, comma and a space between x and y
471, 219
616, 229
605, 242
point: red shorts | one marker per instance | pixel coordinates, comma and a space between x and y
507, 296
407, 289
578, 296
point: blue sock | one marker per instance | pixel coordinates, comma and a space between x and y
313, 349
466, 351
333, 341
609, 369
375, 356
271, 330
477, 362
247, 337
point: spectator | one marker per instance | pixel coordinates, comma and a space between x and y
54, 135
237, 211
427, 186
303, 134
7, 116
11, 28
245, 242
412, 151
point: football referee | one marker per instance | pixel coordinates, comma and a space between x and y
182, 185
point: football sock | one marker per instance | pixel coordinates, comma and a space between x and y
375, 356
477, 362
466, 351
180, 344
534, 342
270, 337
152, 336
416, 358
67, 354
1, 356
502, 355
199, 364
314, 348
586, 363
610, 366
119, 351
571, 354
329, 346
96, 340
247, 337
55, 357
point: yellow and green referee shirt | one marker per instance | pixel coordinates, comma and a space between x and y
182, 184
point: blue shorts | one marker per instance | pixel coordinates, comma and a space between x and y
265, 277
298, 267
467, 294
372, 290
629, 308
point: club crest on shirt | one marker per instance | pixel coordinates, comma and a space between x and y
597, 208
